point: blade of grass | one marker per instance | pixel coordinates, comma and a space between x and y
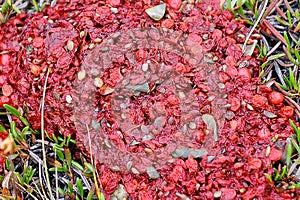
254, 26
43, 137
98, 193
289, 151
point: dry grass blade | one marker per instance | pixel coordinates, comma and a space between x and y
271, 7
273, 49
56, 178
43, 138
92, 162
255, 25
286, 3
22, 188
41, 182
274, 31
279, 73
281, 13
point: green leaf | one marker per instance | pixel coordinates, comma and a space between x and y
264, 50
68, 141
31, 173
283, 87
276, 56
228, 5
289, 152
77, 165
264, 65
59, 169
281, 21
240, 11
13, 131
288, 14
90, 195
102, 197
297, 55
89, 167
292, 78
287, 40
5, 8
296, 146
61, 191
2, 129
59, 153
284, 172
276, 172
296, 130
294, 186
24, 121
79, 187
12, 110
70, 187
268, 177
48, 136
20, 178
68, 156
8, 165
240, 3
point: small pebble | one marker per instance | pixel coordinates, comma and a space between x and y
98, 82
70, 45
114, 10
152, 172
68, 99
145, 67
218, 194
192, 125
181, 95
81, 75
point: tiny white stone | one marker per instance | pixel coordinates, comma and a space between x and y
81, 75
145, 67
68, 99
98, 82
114, 10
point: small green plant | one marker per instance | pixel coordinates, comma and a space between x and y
292, 84
292, 53
78, 174
283, 173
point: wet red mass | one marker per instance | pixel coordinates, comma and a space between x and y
59, 38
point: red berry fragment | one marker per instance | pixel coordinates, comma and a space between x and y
35, 69
38, 42
275, 154
275, 98
168, 23
114, 3
235, 104
254, 163
228, 194
264, 133
4, 100
174, 4
259, 101
7, 90
230, 61
245, 73
4, 59
287, 111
